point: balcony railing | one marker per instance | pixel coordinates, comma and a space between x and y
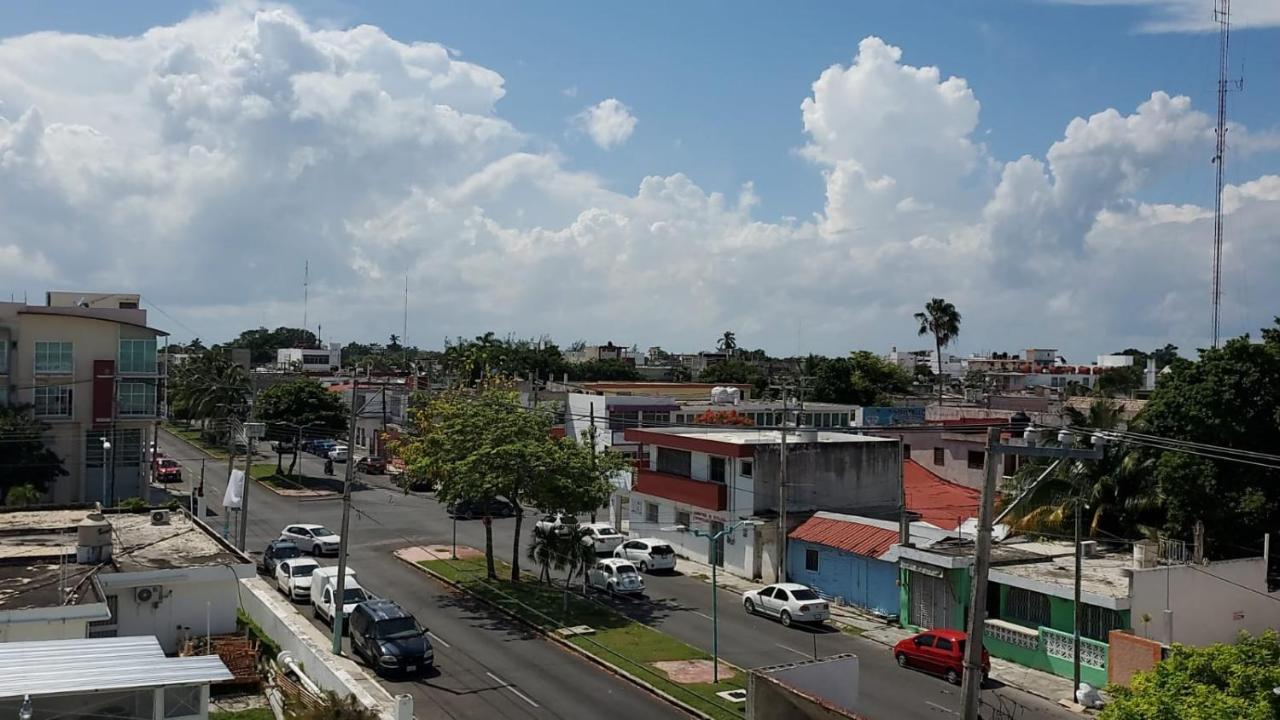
706, 495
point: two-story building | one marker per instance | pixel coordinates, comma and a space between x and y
90, 369
709, 478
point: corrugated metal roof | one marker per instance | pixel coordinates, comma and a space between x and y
854, 537
939, 502
53, 667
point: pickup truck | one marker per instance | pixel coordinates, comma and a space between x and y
324, 584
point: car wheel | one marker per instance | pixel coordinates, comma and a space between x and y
902, 659
786, 618
644, 566
315, 550
315, 611
611, 589
750, 606
952, 676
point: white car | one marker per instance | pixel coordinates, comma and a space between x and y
293, 578
558, 522
648, 554
614, 575
315, 539
789, 602
601, 536
340, 453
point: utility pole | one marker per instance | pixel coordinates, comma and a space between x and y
782, 493
339, 598
972, 678
1076, 608
1221, 15
242, 535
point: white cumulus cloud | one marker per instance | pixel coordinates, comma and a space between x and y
609, 123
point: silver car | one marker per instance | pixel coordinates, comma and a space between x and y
615, 576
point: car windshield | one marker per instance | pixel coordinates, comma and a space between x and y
804, 594
320, 532
398, 628
302, 569
354, 595
168, 463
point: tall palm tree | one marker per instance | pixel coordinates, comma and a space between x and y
728, 342
940, 319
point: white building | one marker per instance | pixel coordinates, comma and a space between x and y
310, 360
1115, 361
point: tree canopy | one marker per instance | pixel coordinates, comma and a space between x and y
863, 378
941, 320
1219, 682
732, 371
488, 356
263, 343
303, 406
28, 463
602, 370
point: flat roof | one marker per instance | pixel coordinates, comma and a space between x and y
59, 667
123, 317
1101, 576
38, 553
753, 436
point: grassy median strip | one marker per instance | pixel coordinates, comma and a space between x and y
618, 640
194, 436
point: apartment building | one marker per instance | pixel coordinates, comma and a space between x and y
88, 366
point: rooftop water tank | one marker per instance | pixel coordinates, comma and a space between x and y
93, 540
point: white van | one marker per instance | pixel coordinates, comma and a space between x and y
324, 582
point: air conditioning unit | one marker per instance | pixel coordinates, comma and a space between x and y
159, 517
147, 594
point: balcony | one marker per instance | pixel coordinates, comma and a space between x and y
706, 495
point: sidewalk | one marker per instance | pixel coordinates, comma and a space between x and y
1043, 684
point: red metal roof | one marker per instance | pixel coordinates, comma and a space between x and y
938, 501
846, 535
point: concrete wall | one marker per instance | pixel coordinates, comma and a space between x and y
861, 581
1128, 655
824, 689
858, 478
1206, 603
206, 598
67, 629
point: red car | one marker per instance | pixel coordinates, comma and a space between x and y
168, 470
938, 651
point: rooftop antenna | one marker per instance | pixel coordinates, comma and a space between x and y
1222, 16
404, 332
306, 280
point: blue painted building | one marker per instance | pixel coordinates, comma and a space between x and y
848, 557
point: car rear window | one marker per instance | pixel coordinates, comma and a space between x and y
662, 550
286, 552
804, 594
622, 569
606, 531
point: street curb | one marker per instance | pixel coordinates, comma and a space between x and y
614, 669
257, 481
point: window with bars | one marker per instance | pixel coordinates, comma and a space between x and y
1097, 623
939, 456
54, 357
651, 513
127, 447
51, 401
1027, 606
137, 356
136, 399
811, 560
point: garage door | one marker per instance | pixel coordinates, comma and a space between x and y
930, 601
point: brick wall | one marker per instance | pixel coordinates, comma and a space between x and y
1129, 654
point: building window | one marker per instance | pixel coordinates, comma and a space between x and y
1027, 606
53, 357
93, 452
181, 701
939, 456
138, 356
321, 360
127, 447
811, 560
675, 462
136, 399
682, 518
652, 419
906, 451
976, 458
1097, 622
717, 470
747, 466
651, 513
52, 401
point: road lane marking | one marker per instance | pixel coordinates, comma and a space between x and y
512, 688
801, 654
940, 707
438, 639
695, 612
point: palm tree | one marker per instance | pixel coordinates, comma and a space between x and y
727, 342
211, 387
940, 319
547, 550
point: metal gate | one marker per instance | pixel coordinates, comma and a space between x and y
930, 601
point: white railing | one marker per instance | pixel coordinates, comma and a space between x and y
1007, 632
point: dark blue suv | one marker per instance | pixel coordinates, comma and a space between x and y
389, 638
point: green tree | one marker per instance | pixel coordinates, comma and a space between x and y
208, 386
941, 320
1119, 382
727, 343
301, 404
263, 343
863, 378
29, 464
1230, 397
1219, 682
731, 371
602, 370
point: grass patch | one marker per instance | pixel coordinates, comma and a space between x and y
266, 474
619, 640
262, 713
853, 630
193, 435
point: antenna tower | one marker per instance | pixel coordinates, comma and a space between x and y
1222, 16
306, 280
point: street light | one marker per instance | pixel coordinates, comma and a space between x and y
107, 467
713, 538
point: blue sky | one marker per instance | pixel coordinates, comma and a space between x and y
502, 228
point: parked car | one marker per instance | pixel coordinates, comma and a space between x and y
789, 602
614, 575
293, 578
648, 554
339, 453
559, 522
468, 509
324, 587
282, 447
371, 465
938, 651
319, 447
168, 470
315, 539
276, 551
602, 537
389, 638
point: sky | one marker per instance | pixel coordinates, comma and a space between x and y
807, 175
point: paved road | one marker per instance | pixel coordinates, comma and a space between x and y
677, 604
488, 667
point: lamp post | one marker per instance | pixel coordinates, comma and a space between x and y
107, 467
712, 539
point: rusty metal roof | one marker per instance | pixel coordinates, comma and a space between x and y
847, 535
